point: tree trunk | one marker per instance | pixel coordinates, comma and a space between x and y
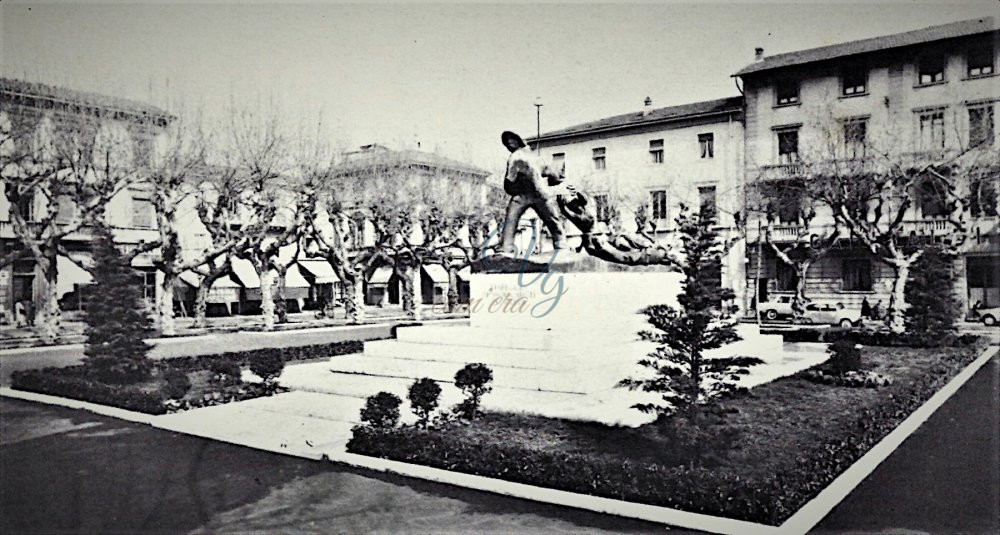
452, 288
280, 304
354, 298
894, 315
267, 299
166, 312
799, 301
405, 274
201, 297
47, 316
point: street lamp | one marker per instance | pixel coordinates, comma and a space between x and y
538, 122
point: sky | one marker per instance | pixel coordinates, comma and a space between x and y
450, 76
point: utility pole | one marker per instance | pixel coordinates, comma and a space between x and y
538, 123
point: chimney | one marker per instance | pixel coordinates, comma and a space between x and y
758, 54
648, 108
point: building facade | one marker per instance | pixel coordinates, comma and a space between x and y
652, 161
913, 95
34, 115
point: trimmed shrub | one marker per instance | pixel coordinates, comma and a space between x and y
288, 354
474, 380
225, 373
268, 367
177, 384
381, 410
930, 296
50, 381
879, 338
845, 356
423, 395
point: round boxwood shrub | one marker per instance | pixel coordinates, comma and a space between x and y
177, 384
381, 410
225, 372
474, 381
844, 357
423, 396
268, 367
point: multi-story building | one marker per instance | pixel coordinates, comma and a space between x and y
912, 95
34, 113
653, 161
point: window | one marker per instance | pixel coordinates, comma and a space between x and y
602, 207
660, 204
707, 144
930, 70
981, 125
788, 146
932, 129
932, 199
855, 132
143, 213
983, 197
599, 161
706, 201
26, 205
656, 150
854, 81
787, 92
148, 279
980, 62
788, 279
857, 275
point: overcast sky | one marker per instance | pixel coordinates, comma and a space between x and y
452, 76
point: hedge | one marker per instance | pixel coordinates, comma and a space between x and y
769, 499
869, 337
56, 382
74, 381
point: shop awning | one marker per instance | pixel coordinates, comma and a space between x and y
465, 273
68, 275
194, 279
243, 270
436, 272
321, 270
381, 276
294, 278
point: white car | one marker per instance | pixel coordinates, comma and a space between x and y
988, 316
831, 314
780, 306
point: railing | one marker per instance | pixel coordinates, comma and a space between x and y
781, 171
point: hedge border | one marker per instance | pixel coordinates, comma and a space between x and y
770, 500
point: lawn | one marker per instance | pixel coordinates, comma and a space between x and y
775, 448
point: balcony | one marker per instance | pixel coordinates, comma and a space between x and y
86, 233
781, 171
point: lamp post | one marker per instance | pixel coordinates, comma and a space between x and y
538, 122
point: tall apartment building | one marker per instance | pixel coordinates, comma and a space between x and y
911, 95
31, 113
655, 160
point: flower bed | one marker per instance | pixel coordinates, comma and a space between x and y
870, 337
150, 397
789, 440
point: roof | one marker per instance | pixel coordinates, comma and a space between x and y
875, 44
378, 154
656, 116
21, 88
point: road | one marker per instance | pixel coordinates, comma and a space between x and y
40, 357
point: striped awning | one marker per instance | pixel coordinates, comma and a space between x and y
436, 272
244, 272
294, 278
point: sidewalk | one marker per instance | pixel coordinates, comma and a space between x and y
71, 331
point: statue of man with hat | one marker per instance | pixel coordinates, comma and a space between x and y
533, 184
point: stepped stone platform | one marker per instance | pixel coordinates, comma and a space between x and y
556, 357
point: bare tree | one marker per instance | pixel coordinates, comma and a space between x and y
58, 179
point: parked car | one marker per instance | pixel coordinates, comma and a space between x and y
988, 316
780, 306
824, 313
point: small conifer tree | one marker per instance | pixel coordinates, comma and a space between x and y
117, 325
930, 294
683, 376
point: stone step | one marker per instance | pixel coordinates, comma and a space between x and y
611, 407
464, 335
491, 356
580, 380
